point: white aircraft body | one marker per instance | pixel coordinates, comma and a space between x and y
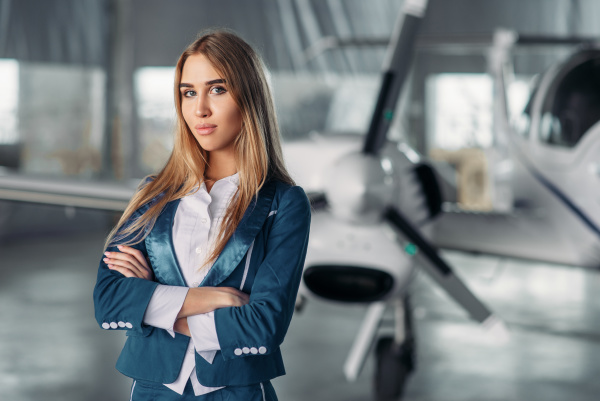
553, 151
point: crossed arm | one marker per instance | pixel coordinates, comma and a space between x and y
131, 263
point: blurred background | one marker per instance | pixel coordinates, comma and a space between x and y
86, 96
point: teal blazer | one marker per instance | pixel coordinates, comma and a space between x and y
266, 253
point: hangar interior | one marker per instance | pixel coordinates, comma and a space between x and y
86, 96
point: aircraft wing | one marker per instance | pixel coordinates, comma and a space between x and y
90, 194
526, 234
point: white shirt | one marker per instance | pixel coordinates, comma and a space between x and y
195, 228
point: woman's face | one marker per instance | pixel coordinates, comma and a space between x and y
208, 107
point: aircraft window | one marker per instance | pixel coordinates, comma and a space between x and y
9, 101
572, 106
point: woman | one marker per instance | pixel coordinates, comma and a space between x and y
204, 266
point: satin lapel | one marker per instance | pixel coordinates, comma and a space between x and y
161, 252
242, 238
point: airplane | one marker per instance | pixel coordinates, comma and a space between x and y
549, 156
377, 207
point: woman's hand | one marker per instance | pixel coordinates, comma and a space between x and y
207, 299
181, 327
130, 262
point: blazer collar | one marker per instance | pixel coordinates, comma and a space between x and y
161, 250
242, 238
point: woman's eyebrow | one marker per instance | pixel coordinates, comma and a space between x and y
207, 83
216, 81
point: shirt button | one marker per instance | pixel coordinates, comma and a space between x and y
106, 326
121, 324
203, 221
254, 350
113, 325
195, 284
262, 350
246, 350
129, 325
238, 351
198, 250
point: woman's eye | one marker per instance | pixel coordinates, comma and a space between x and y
217, 90
189, 93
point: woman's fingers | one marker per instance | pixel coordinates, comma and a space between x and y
137, 254
139, 258
123, 270
128, 261
123, 260
123, 267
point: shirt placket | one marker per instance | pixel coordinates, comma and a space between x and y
200, 238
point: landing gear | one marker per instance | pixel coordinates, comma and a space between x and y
395, 356
394, 364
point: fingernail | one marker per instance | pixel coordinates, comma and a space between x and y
107, 253
105, 259
119, 246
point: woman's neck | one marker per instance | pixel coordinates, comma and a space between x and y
219, 166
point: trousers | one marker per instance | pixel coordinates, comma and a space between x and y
149, 391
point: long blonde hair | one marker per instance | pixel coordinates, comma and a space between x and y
257, 148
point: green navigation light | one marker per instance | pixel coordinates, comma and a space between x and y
411, 249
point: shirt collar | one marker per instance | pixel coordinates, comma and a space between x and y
228, 181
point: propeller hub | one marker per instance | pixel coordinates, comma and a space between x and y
359, 186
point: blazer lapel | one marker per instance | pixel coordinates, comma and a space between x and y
242, 238
161, 251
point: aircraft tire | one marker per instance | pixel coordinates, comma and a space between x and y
394, 365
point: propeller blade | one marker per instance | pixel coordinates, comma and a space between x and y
395, 70
440, 271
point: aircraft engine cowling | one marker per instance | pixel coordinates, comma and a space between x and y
358, 187
353, 263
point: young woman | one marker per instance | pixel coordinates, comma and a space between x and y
204, 266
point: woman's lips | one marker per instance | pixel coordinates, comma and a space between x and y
205, 129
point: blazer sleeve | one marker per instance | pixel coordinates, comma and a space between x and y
260, 326
119, 301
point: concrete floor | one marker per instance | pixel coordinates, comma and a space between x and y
51, 348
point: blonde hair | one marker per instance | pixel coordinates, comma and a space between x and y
257, 148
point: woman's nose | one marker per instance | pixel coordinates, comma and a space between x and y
202, 108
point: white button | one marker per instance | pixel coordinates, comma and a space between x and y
113, 325
253, 350
203, 221
105, 326
238, 351
198, 250
121, 324
191, 350
246, 350
195, 284
129, 325
262, 350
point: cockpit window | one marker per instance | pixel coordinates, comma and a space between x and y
572, 104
